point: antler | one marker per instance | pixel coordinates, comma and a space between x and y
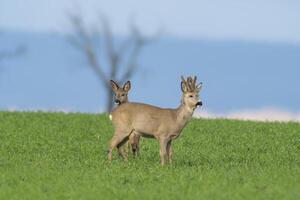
183, 80
190, 83
195, 79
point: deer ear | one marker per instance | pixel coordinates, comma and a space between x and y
199, 86
114, 85
183, 87
127, 86
182, 79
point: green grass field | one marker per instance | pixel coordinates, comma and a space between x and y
63, 156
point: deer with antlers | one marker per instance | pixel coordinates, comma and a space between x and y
165, 125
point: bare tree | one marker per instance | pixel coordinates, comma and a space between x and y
118, 62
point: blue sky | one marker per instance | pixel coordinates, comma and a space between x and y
245, 52
268, 20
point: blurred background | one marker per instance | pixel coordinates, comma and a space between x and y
59, 55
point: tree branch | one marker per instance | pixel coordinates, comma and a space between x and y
112, 55
90, 53
126, 54
82, 40
132, 62
138, 42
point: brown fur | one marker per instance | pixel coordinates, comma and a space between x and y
121, 97
145, 120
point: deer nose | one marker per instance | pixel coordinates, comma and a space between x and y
199, 103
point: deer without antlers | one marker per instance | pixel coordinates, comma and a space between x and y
121, 96
162, 124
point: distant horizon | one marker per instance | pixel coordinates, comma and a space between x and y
164, 36
260, 115
237, 75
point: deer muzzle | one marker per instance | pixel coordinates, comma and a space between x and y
117, 101
199, 103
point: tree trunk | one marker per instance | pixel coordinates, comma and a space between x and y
109, 100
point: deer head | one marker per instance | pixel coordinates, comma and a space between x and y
190, 92
121, 93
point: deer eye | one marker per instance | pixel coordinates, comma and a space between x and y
123, 95
191, 96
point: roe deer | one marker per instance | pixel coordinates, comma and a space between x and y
121, 96
164, 125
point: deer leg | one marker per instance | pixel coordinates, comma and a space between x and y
163, 150
134, 139
120, 148
131, 146
137, 143
117, 141
169, 151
